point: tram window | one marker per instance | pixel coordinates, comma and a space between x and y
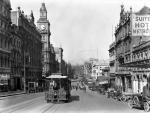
148, 79
138, 77
144, 77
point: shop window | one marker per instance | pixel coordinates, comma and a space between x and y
130, 82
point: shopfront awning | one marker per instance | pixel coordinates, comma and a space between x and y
123, 73
104, 82
56, 76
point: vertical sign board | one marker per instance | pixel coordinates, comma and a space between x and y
140, 25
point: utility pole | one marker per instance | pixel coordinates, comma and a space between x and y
24, 73
97, 54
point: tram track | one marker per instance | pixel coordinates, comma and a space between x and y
47, 108
52, 109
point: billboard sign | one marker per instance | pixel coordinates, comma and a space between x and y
140, 25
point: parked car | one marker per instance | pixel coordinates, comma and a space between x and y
110, 93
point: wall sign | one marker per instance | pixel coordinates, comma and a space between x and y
140, 25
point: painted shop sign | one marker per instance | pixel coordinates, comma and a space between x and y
140, 25
4, 79
133, 69
103, 82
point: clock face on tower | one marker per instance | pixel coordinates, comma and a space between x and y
43, 27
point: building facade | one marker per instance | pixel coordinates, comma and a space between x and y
112, 64
31, 50
59, 59
53, 62
98, 70
16, 59
87, 69
132, 50
5, 45
44, 28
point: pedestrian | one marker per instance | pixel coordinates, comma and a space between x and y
84, 89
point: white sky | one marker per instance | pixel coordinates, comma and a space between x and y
82, 27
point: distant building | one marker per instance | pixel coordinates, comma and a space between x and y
59, 57
93, 68
87, 69
98, 70
53, 62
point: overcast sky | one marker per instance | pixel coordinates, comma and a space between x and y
83, 28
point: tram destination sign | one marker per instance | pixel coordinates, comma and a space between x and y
140, 25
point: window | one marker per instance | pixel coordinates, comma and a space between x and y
44, 14
0, 42
43, 38
42, 46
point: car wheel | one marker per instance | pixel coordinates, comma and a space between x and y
146, 106
130, 104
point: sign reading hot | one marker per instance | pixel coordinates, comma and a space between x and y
140, 25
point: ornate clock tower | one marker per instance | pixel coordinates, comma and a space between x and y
44, 27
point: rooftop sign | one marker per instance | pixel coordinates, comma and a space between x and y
140, 25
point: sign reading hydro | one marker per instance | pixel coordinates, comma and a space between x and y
140, 25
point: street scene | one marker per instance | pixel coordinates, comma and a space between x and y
81, 102
74, 56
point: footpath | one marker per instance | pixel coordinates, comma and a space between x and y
11, 93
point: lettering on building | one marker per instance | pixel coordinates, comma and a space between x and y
140, 25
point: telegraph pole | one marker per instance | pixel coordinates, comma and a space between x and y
24, 73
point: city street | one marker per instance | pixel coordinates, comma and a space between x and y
77, 51
82, 102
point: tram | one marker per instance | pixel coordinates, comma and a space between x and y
59, 88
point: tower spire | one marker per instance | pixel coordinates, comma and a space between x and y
43, 11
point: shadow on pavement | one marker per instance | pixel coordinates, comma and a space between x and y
75, 98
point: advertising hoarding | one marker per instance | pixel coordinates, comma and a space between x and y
140, 25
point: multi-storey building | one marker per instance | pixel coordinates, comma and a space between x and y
88, 67
5, 44
112, 64
132, 50
59, 58
98, 69
31, 50
44, 28
53, 62
16, 59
